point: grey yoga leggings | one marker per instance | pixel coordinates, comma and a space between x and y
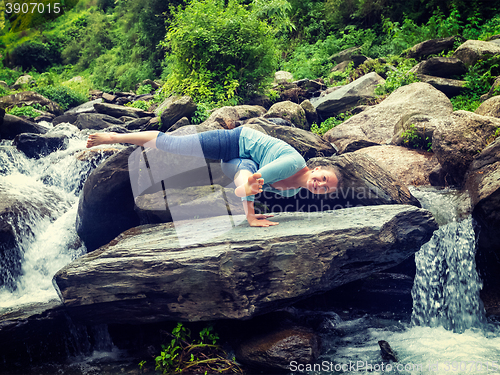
213, 144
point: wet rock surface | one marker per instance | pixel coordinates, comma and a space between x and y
145, 276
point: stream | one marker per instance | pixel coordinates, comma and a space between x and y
446, 333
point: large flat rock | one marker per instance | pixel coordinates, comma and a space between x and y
144, 275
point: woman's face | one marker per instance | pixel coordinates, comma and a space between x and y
322, 181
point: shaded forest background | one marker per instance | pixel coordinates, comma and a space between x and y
223, 51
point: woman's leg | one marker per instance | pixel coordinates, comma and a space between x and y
213, 144
146, 138
245, 176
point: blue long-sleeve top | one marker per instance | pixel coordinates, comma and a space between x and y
276, 159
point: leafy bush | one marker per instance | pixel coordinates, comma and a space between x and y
144, 89
34, 55
314, 60
141, 104
413, 139
27, 110
398, 77
220, 52
62, 95
202, 113
478, 80
330, 123
193, 356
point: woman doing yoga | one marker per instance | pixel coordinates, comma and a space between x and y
254, 160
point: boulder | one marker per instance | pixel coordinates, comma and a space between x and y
308, 144
26, 205
341, 67
310, 85
431, 47
493, 89
289, 111
39, 333
117, 111
137, 124
26, 98
228, 117
69, 118
473, 50
415, 131
490, 107
22, 81
95, 121
348, 96
109, 98
173, 109
84, 108
180, 123
482, 181
280, 121
283, 77
277, 349
345, 55
188, 203
106, 205
145, 276
458, 138
375, 125
409, 167
13, 125
4, 86
444, 67
311, 114
449, 87
39, 145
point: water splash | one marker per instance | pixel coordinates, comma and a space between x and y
446, 288
44, 195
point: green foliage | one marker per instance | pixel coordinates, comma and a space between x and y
144, 89
36, 55
478, 80
220, 52
273, 95
4, 91
184, 354
330, 123
62, 95
314, 60
465, 103
10, 76
141, 104
29, 111
202, 113
398, 77
413, 139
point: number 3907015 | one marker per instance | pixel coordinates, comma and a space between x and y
32, 8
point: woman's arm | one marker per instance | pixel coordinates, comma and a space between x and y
256, 220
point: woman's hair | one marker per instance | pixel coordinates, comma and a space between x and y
325, 164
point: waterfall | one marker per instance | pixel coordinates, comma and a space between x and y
448, 332
446, 287
41, 197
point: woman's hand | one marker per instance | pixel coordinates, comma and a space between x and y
259, 220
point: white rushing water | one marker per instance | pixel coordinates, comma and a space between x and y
46, 193
448, 333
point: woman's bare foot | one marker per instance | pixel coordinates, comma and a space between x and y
251, 187
99, 139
